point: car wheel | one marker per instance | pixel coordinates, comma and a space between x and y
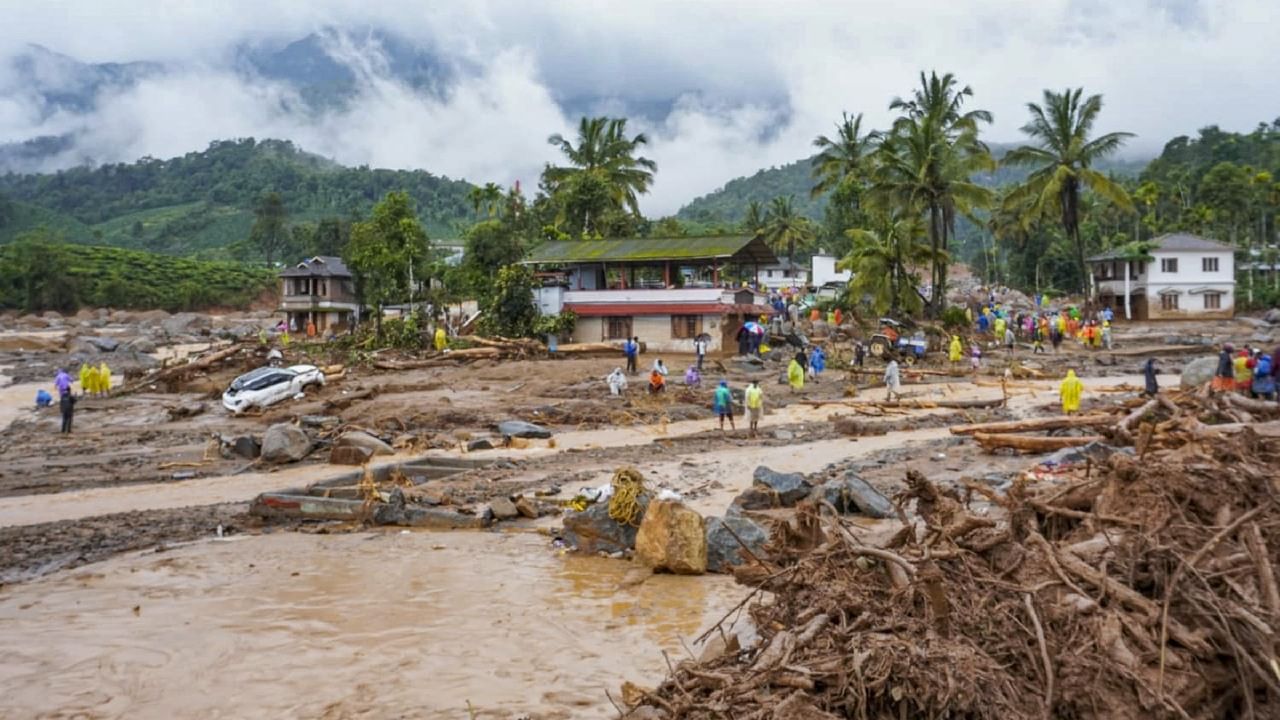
878, 348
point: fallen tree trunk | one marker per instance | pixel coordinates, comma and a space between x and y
1050, 423
1031, 443
178, 371
441, 359
950, 404
1125, 425
589, 348
1241, 402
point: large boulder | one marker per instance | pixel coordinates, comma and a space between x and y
522, 429
852, 494
142, 344
102, 343
756, 498
1272, 316
673, 538
285, 443
593, 531
724, 552
1199, 371
185, 324
349, 455
789, 487
363, 440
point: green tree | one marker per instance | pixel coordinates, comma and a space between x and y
784, 230
270, 234
387, 253
1063, 157
509, 311
880, 259
487, 197
604, 173
755, 218
927, 160
34, 276
844, 160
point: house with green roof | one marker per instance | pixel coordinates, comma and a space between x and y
666, 291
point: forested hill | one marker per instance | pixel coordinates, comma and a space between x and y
728, 205
203, 202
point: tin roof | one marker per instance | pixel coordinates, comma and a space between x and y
1170, 242
318, 266
736, 248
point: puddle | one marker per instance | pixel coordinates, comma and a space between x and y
378, 624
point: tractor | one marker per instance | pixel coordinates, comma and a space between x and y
891, 342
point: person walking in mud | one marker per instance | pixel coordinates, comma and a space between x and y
631, 349
723, 404
1149, 378
700, 349
754, 398
67, 406
892, 381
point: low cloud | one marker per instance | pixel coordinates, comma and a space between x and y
747, 86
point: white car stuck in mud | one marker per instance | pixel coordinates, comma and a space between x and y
270, 385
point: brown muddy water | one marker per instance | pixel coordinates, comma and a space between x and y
370, 625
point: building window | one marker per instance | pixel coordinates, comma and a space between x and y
1169, 265
768, 273
617, 328
686, 327
1209, 265
1169, 302
1213, 301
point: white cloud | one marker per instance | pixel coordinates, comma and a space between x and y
753, 81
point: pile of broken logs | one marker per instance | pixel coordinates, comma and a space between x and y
1159, 421
1141, 587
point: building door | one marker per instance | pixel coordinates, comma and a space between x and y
729, 333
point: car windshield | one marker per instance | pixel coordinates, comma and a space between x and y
260, 378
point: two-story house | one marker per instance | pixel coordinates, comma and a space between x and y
666, 291
319, 290
1183, 276
784, 274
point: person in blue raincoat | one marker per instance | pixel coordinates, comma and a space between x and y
817, 362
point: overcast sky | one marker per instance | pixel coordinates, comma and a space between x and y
754, 81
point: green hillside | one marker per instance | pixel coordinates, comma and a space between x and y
37, 274
202, 202
728, 205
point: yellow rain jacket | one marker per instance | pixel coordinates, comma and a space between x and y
1000, 325
104, 378
84, 378
92, 387
1071, 390
956, 350
795, 375
441, 340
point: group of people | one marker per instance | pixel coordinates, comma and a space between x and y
722, 400
94, 381
1037, 327
1248, 371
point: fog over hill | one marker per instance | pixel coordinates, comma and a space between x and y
472, 89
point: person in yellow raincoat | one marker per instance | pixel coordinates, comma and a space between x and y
104, 378
795, 374
92, 387
1071, 390
955, 352
84, 378
441, 341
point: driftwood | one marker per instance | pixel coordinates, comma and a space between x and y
1031, 443
1057, 422
589, 348
185, 369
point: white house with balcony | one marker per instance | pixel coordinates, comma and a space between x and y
1181, 276
318, 291
783, 274
824, 271
666, 291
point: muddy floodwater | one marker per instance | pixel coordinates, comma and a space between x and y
393, 624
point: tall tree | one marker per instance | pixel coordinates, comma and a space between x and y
387, 253
604, 173
845, 159
754, 221
270, 234
786, 230
926, 161
880, 262
1063, 155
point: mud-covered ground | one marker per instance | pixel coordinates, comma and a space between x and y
164, 439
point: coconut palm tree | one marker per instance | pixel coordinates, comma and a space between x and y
880, 259
603, 168
845, 158
1062, 155
926, 161
785, 230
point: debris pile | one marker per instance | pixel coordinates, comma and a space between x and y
1141, 587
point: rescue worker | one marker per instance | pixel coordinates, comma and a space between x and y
1070, 390
1224, 378
723, 404
956, 350
441, 339
692, 378
1242, 373
617, 382
84, 377
892, 381
104, 379
817, 362
795, 373
754, 398
1149, 376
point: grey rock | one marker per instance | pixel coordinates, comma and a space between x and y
361, 439
285, 443
503, 509
790, 487
349, 455
783, 435
185, 324
1097, 452
522, 429
755, 498
1272, 316
319, 421
479, 444
723, 550
141, 345
1199, 371
246, 447
1254, 322
592, 530
1260, 338
104, 344
852, 494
